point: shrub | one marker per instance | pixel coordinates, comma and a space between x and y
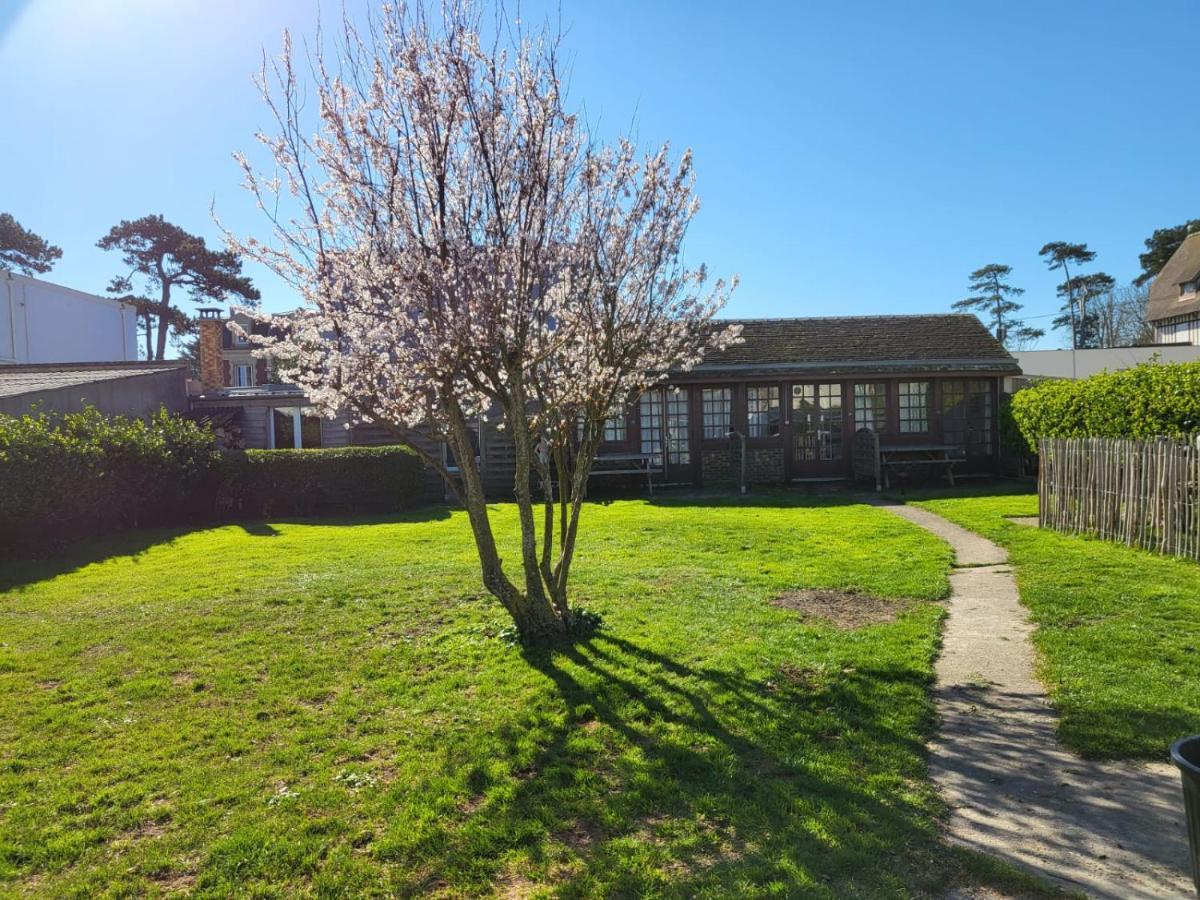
304, 482
63, 476
1149, 400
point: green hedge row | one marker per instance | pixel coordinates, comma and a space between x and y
1149, 400
66, 476
305, 482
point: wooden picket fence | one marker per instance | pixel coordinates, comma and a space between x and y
1143, 493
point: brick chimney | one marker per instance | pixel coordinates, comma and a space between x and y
212, 326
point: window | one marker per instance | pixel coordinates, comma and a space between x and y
870, 406
762, 410
674, 405
292, 427
716, 407
448, 456
915, 402
614, 428
967, 416
650, 410
243, 376
678, 452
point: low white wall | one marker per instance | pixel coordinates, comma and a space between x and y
1082, 363
42, 322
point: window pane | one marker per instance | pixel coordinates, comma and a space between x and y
678, 449
762, 410
614, 428
650, 410
310, 431
914, 397
716, 407
870, 406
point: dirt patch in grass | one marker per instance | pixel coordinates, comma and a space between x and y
842, 609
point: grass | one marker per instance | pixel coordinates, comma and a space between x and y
1118, 629
324, 708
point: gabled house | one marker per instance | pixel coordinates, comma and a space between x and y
793, 394
1173, 309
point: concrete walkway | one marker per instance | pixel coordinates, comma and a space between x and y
1112, 830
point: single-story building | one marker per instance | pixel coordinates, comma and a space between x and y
136, 389
794, 393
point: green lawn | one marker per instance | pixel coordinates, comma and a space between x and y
1118, 630
325, 709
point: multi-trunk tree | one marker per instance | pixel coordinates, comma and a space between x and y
23, 250
993, 296
161, 257
1077, 291
466, 249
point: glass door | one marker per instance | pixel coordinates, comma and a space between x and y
817, 430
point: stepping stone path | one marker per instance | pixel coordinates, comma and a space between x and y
1108, 829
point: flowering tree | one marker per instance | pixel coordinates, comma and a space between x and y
465, 250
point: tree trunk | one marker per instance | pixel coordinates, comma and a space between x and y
532, 611
164, 311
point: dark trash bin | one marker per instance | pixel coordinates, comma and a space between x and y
1186, 754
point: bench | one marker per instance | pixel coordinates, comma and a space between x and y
877, 461
627, 464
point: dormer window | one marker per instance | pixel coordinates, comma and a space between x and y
1188, 288
240, 340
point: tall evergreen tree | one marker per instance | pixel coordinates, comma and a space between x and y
1063, 255
1090, 292
992, 295
24, 251
163, 256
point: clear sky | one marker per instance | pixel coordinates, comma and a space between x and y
852, 157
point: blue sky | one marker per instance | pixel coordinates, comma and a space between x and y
852, 158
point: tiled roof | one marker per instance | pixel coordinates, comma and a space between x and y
862, 343
1184, 265
28, 379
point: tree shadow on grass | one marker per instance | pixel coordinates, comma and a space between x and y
665, 778
54, 558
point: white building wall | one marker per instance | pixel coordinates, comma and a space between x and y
1082, 363
42, 322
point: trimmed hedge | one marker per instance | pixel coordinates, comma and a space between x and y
64, 476
1150, 400
304, 482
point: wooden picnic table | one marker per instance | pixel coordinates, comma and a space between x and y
627, 464
901, 455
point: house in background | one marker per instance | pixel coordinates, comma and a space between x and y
1173, 309
796, 390
42, 322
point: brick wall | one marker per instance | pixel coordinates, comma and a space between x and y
764, 465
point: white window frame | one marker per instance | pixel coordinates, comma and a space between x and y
249, 370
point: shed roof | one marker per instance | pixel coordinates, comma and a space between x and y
1184, 265
31, 378
899, 343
